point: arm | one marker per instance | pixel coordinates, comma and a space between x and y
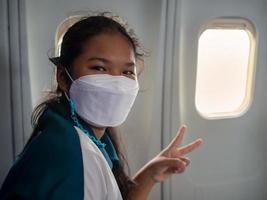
169, 161
145, 183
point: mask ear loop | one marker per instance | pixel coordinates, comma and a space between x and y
76, 121
71, 80
68, 74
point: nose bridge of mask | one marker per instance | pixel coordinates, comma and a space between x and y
107, 82
99, 79
119, 83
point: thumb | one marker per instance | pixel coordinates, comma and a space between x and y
173, 163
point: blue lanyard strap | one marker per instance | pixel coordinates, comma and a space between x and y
77, 123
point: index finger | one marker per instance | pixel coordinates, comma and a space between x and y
190, 147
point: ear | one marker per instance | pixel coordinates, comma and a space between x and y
62, 78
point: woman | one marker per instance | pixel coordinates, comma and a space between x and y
74, 152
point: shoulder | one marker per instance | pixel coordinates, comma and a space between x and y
57, 139
51, 166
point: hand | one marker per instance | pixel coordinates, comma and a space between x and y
171, 160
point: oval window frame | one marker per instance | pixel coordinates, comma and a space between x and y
233, 23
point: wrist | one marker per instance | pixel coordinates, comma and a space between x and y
144, 183
145, 176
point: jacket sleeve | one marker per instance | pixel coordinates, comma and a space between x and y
50, 168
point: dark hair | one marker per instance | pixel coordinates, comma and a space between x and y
71, 47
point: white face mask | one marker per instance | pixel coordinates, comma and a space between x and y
103, 100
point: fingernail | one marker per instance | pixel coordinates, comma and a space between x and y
200, 141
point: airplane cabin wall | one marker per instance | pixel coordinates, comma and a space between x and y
232, 162
6, 148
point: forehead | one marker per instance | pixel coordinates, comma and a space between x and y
113, 46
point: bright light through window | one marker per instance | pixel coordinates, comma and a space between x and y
223, 87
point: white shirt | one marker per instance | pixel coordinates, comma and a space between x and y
99, 181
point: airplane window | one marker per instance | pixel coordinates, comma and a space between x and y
225, 69
62, 28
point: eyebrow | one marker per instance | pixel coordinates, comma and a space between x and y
128, 64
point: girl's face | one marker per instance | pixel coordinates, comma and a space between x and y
107, 53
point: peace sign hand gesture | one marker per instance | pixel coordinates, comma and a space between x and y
169, 161
172, 159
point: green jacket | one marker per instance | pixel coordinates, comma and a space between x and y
51, 166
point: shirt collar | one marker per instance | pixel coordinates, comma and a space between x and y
108, 151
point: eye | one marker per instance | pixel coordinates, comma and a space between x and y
99, 68
129, 73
